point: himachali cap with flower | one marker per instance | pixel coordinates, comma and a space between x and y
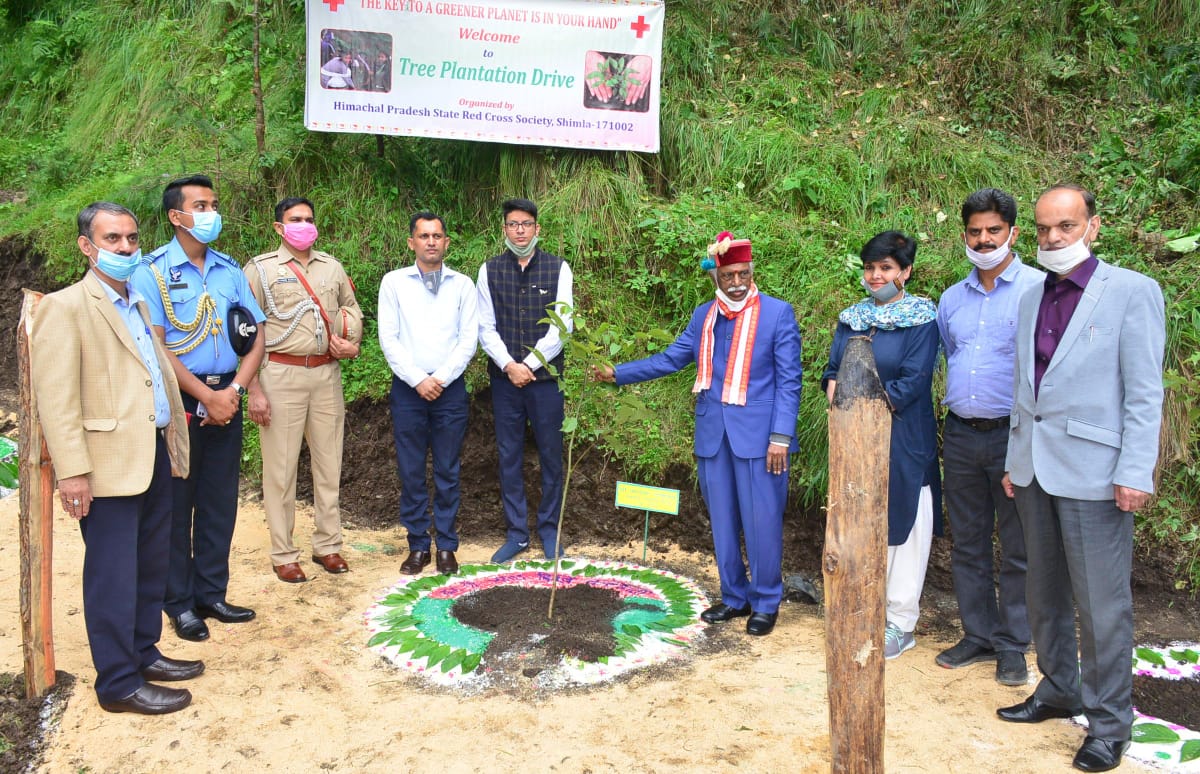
726, 251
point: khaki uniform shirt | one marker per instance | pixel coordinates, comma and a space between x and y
294, 326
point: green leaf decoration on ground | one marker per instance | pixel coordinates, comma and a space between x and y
414, 626
1187, 656
1153, 733
1190, 751
1151, 656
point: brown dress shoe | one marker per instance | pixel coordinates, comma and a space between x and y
416, 561
333, 563
446, 563
151, 699
290, 573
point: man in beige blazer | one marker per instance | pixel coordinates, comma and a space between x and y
116, 431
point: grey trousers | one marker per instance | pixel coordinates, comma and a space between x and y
1081, 549
973, 464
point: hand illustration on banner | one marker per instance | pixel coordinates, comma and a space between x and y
616, 81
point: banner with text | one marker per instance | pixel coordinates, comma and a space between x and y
571, 73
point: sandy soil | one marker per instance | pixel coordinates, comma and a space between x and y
297, 690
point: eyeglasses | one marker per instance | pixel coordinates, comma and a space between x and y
520, 224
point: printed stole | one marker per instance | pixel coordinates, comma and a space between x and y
737, 369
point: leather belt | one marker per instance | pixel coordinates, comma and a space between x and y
981, 425
308, 361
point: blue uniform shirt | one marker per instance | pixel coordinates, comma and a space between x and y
978, 331
223, 281
144, 340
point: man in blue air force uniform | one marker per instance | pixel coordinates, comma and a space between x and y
190, 288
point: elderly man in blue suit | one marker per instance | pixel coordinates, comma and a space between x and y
746, 347
1082, 448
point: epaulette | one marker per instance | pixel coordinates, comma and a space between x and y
154, 255
225, 258
265, 256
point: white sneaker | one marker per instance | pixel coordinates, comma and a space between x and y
896, 642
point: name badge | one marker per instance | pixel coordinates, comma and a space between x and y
177, 286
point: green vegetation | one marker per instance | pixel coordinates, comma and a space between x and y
808, 126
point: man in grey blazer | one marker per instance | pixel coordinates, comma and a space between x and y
1082, 448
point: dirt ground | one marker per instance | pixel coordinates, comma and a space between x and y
297, 689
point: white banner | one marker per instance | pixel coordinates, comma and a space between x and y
571, 73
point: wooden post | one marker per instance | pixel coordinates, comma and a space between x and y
37, 523
855, 561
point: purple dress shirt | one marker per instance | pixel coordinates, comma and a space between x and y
1059, 299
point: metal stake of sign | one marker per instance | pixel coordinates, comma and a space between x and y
647, 498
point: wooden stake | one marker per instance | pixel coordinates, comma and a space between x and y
855, 561
36, 478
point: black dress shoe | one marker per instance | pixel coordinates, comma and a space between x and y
721, 612
151, 699
1099, 754
225, 612
446, 563
1032, 710
169, 670
416, 561
761, 623
190, 626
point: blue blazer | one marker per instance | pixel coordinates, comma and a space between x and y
1095, 420
772, 396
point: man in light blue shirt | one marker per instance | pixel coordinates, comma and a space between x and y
189, 289
428, 329
977, 318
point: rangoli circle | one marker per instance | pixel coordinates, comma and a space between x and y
1160, 742
414, 627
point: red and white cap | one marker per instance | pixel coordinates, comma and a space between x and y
727, 251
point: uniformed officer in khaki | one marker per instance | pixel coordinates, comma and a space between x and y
313, 321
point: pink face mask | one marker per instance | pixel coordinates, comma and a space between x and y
301, 236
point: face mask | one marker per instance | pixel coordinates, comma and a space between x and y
990, 260
521, 252
301, 236
206, 226
886, 292
1066, 258
119, 267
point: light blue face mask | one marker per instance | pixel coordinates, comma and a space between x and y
206, 226
119, 267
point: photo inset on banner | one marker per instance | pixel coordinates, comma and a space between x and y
617, 81
355, 60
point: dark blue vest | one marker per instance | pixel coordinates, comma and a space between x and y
520, 299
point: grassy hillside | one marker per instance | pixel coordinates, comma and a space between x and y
808, 126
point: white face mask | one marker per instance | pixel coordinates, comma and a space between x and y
1066, 258
990, 260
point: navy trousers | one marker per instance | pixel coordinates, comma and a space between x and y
421, 427
203, 514
124, 578
541, 405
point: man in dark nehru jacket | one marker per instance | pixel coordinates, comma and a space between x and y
746, 347
516, 288
190, 289
115, 428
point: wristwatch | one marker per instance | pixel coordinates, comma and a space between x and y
239, 389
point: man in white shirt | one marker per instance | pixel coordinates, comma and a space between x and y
428, 328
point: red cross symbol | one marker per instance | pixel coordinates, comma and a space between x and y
333, 5
639, 26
